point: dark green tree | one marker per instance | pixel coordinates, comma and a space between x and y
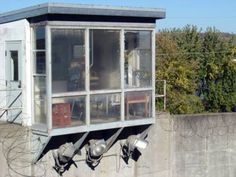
199, 69
218, 72
180, 72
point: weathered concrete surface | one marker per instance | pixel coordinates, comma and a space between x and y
179, 146
149, 165
155, 160
204, 145
15, 154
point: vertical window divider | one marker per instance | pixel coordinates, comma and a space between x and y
153, 71
122, 70
32, 75
48, 78
87, 75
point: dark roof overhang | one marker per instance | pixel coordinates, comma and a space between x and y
77, 12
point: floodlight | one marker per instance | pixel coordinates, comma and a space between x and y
140, 143
95, 150
131, 146
62, 156
97, 147
134, 141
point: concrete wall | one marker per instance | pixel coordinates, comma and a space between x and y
17, 31
180, 146
204, 145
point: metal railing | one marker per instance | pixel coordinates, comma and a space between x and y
161, 92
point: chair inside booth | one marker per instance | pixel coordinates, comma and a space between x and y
138, 105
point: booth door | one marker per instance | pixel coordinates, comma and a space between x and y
13, 81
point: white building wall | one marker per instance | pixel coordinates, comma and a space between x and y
17, 31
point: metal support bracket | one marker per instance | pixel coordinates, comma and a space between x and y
113, 138
101, 146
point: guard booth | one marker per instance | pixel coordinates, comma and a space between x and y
85, 74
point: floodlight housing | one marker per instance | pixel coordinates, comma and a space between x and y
134, 141
97, 147
140, 143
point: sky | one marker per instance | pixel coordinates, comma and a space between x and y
179, 13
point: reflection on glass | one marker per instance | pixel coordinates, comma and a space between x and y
68, 60
138, 59
138, 105
68, 111
40, 111
40, 63
105, 108
39, 37
104, 59
39, 87
40, 99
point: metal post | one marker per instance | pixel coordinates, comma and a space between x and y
164, 95
48, 77
87, 76
122, 70
153, 39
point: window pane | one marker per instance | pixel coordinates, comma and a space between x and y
39, 87
39, 37
39, 63
40, 99
68, 111
104, 59
138, 59
40, 112
105, 108
138, 105
68, 60
14, 63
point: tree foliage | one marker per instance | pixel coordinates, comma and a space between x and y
218, 73
198, 67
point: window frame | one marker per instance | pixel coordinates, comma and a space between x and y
122, 27
34, 51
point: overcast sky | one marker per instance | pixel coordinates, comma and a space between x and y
203, 13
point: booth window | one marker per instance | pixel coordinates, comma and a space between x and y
39, 37
39, 75
138, 74
68, 75
105, 108
104, 59
68, 111
138, 59
138, 105
68, 60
